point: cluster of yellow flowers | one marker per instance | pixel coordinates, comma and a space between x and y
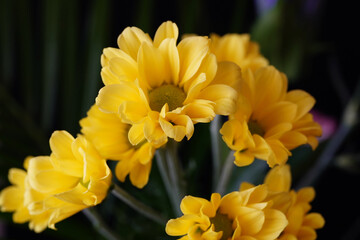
156, 91
253, 212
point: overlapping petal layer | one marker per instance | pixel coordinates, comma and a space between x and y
115, 140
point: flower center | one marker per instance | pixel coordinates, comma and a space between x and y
169, 94
255, 128
222, 223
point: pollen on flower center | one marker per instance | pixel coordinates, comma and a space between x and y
255, 128
222, 223
169, 94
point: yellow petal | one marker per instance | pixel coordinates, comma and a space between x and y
255, 195
108, 77
60, 144
62, 156
281, 112
281, 153
313, 141
94, 165
200, 111
286, 236
107, 133
245, 186
100, 187
302, 99
243, 158
122, 169
62, 213
136, 134
145, 153
277, 131
268, 78
251, 220
295, 217
130, 40
154, 133
314, 220
133, 112
293, 139
11, 198
21, 215
177, 126
112, 96
139, 174
109, 53
306, 194
228, 73
262, 150
17, 176
208, 68
236, 135
39, 222
78, 195
306, 233
43, 177
171, 58
124, 68
278, 179
192, 50
193, 205
275, 222
194, 87
223, 96
152, 74
166, 30
179, 226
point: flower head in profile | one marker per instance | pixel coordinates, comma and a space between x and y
237, 215
269, 121
161, 88
55, 187
294, 204
114, 140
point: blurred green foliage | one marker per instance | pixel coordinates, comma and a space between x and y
50, 75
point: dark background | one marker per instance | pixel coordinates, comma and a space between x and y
50, 75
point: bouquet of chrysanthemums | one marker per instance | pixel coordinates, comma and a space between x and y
155, 92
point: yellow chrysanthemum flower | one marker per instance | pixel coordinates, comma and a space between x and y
239, 49
111, 138
237, 215
295, 205
55, 187
161, 88
40, 209
74, 172
269, 121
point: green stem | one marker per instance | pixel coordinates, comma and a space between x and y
99, 224
137, 205
164, 172
175, 171
225, 173
215, 148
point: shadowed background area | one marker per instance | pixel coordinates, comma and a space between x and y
50, 75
